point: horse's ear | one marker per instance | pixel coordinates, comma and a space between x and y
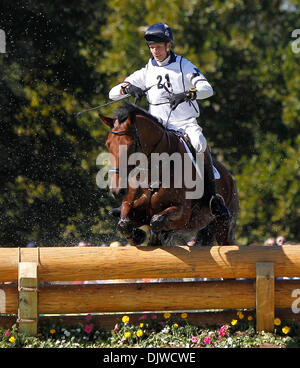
106, 120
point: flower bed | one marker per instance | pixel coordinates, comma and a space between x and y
152, 331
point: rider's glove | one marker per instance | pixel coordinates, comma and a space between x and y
134, 91
178, 98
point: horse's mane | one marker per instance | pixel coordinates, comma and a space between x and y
129, 109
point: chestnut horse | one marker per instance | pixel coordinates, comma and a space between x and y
165, 210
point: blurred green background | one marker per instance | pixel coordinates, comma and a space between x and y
64, 56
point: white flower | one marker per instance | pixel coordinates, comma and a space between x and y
67, 333
229, 340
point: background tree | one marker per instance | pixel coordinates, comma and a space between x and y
64, 56
48, 170
251, 122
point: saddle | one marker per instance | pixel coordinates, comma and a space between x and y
185, 138
187, 141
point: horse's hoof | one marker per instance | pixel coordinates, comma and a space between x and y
158, 222
138, 236
154, 240
125, 227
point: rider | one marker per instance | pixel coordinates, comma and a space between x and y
173, 84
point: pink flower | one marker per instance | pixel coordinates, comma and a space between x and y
161, 323
88, 317
222, 332
207, 340
224, 327
116, 328
88, 328
144, 316
154, 316
7, 333
194, 339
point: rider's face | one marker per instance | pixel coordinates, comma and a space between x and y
159, 50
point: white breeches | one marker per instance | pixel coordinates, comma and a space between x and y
194, 131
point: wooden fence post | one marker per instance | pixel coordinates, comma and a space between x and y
265, 296
28, 297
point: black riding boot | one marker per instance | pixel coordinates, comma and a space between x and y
216, 203
116, 212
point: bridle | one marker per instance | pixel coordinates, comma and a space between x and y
116, 170
135, 134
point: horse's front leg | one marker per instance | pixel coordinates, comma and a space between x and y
126, 227
172, 218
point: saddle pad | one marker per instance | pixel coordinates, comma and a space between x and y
216, 173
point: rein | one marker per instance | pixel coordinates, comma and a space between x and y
114, 101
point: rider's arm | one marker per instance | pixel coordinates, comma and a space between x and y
204, 89
136, 79
195, 79
115, 92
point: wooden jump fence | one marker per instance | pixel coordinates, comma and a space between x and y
26, 272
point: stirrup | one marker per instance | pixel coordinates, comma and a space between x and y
218, 208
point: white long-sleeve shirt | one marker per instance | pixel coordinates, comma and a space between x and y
176, 75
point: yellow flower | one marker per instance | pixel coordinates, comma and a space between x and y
139, 333
240, 314
167, 315
12, 339
234, 322
250, 318
277, 322
125, 319
127, 334
286, 330
175, 325
184, 315
141, 324
52, 331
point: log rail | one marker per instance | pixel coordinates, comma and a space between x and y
33, 268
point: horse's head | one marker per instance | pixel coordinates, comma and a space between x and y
121, 142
